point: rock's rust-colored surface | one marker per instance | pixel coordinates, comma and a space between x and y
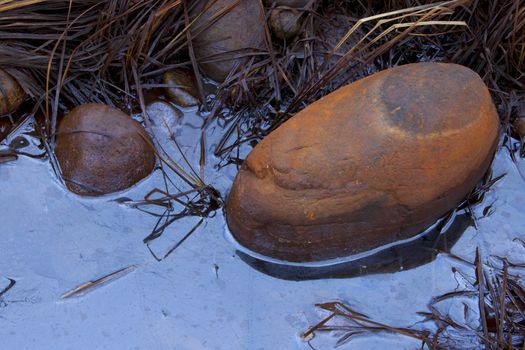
102, 150
236, 33
11, 93
519, 127
374, 162
182, 88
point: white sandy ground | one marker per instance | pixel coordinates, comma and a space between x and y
52, 241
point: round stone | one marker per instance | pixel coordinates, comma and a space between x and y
11, 93
519, 127
285, 23
182, 89
102, 150
224, 31
376, 161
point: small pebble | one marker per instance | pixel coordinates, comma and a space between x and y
183, 90
11, 93
285, 23
519, 127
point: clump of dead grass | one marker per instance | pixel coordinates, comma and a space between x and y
494, 287
65, 53
344, 41
335, 47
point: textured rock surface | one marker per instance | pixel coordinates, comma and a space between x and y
235, 33
519, 127
11, 94
285, 23
376, 161
102, 150
183, 89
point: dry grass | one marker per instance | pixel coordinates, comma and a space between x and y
495, 288
334, 48
67, 53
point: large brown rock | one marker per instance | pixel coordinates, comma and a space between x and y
102, 150
11, 93
374, 162
222, 36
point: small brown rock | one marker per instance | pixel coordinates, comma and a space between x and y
11, 93
237, 32
519, 127
183, 90
285, 23
372, 163
102, 150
